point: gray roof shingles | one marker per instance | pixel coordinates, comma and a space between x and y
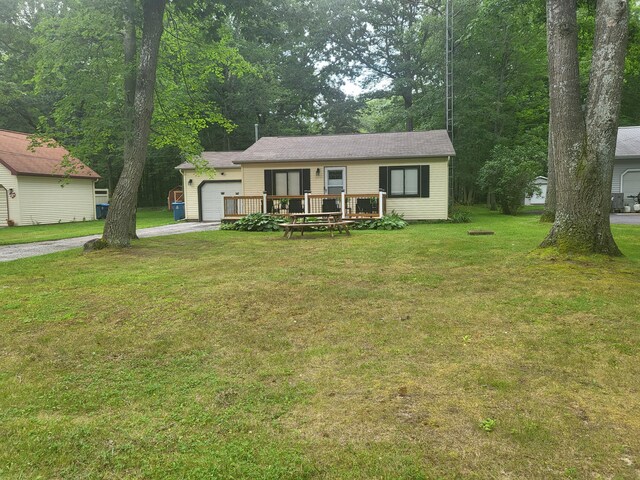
368, 146
628, 142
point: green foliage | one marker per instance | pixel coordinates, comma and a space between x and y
488, 424
460, 216
255, 222
510, 175
500, 83
79, 62
390, 221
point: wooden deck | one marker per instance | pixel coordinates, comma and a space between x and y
351, 206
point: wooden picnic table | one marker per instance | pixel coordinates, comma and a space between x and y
331, 220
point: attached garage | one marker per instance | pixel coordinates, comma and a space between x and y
42, 185
204, 191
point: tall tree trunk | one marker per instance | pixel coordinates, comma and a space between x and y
117, 229
130, 48
584, 146
407, 95
549, 214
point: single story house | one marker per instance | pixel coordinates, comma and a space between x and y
36, 188
359, 174
626, 167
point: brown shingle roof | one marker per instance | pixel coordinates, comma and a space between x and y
43, 161
215, 160
628, 142
366, 146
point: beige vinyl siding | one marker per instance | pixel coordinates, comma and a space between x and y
7, 180
48, 200
363, 178
191, 191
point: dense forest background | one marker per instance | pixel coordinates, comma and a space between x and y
293, 67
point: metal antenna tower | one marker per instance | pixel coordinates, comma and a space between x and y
449, 83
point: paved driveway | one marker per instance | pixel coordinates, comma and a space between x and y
625, 218
14, 252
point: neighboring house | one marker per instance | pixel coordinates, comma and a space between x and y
35, 188
539, 197
626, 169
411, 168
204, 192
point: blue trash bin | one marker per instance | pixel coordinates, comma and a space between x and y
178, 210
101, 210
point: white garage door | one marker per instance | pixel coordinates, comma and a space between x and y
631, 182
211, 198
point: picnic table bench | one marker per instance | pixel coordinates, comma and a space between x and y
330, 220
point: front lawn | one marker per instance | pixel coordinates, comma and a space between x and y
421, 353
146, 217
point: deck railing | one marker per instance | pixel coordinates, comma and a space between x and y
363, 205
239, 206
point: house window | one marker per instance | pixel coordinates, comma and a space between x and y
404, 181
287, 182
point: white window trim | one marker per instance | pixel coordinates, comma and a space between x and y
628, 170
326, 178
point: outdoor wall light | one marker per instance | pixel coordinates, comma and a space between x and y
190, 181
317, 172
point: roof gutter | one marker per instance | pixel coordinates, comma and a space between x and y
341, 159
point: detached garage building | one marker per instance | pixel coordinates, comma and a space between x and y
36, 188
203, 192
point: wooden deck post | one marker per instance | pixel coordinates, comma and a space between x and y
343, 204
381, 195
264, 203
306, 201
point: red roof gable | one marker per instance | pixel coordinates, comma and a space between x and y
43, 161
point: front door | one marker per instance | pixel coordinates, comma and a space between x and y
335, 180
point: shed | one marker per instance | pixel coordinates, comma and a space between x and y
42, 185
540, 197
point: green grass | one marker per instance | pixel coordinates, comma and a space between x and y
147, 217
421, 353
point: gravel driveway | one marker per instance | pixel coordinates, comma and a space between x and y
14, 252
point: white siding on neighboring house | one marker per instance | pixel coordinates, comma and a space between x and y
619, 167
362, 176
4, 207
626, 178
46, 200
101, 195
9, 181
192, 211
